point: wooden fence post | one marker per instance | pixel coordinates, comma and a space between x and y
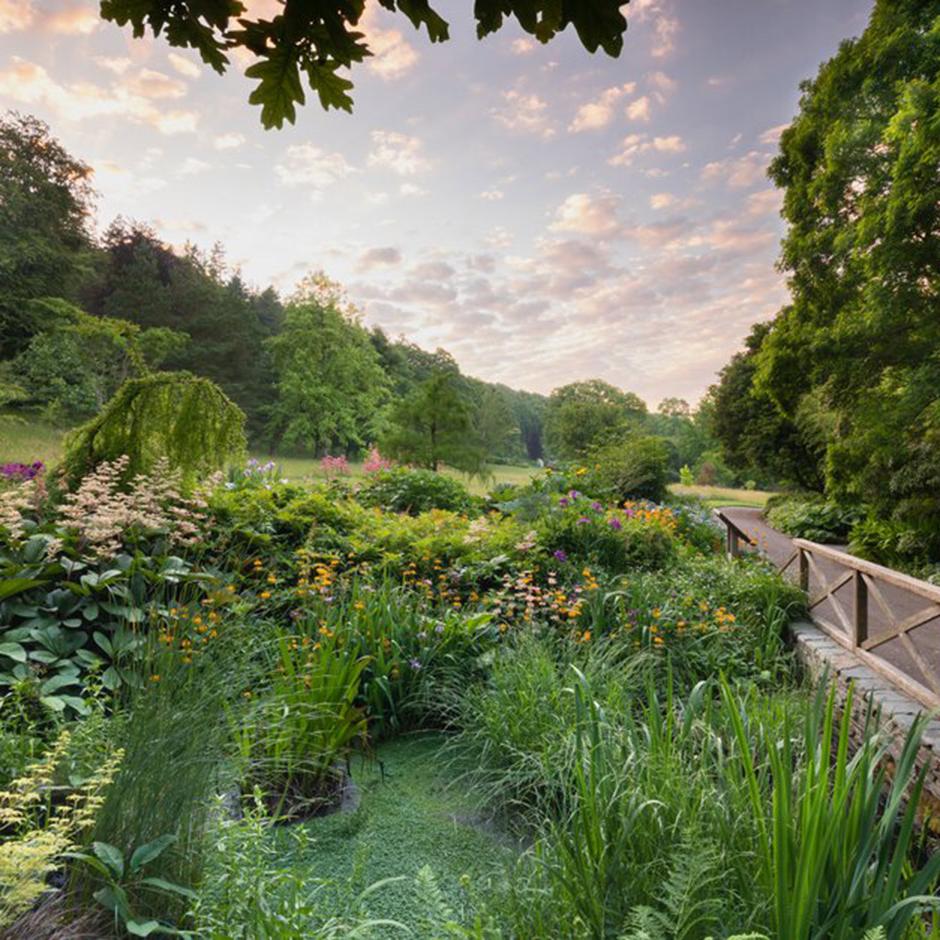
804, 570
733, 548
861, 609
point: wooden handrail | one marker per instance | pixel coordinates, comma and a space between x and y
848, 621
888, 575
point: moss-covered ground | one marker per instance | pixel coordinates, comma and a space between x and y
409, 817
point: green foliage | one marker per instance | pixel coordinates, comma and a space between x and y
79, 361
301, 40
330, 384
303, 723
632, 468
45, 207
585, 414
185, 419
414, 491
847, 374
123, 876
831, 857
250, 892
812, 517
432, 426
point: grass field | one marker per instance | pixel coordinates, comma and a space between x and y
714, 496
26, 442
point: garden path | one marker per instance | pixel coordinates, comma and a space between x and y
902, 603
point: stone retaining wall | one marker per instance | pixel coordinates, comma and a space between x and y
819, 653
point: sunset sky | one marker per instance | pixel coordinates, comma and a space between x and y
544, 214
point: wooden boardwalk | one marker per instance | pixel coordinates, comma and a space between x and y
889, 620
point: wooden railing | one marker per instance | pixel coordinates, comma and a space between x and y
848, 602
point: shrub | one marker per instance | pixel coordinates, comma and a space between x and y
899, 544
811, 517
415, 491
636, 468
637, 536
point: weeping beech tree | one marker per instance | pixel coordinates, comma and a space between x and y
184, 418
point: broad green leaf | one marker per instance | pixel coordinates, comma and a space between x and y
11, 586
164, 885
13, 651
151, 850
111, 856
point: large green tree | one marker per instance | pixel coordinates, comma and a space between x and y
330, 385
45, 207
583, 414
434, 426
854, 356
314, 39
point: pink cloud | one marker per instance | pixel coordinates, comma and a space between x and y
599, 112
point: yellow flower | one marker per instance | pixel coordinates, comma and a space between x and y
272, 579
264, 595
155, 677
359, 605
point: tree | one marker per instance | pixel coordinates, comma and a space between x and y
78, 362
851, 362
330, 385
315, 39
45, 206
582, 414
494, 423
433, 426
757, 438
175, 416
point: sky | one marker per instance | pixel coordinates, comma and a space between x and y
545, 215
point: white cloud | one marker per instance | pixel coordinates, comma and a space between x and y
309, 166
399, 153
524, 112
30, 84
76, 20
662, 200
184, 66
600, 112
523, 45
772, 134
665, 32
392, 54
116, 64
157, 85
16, 15
192, 165
737, 172
588, 215
229, 141
492, 195
635, 144
639, 110
765, 202
662, 84
412, 189
378, 258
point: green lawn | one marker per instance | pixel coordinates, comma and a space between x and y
308, 468
25, 442
22, 442
714, 496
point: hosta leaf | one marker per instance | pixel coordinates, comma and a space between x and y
53, 702
110, 855
13, 651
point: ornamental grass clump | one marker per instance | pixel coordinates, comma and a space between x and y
303, 724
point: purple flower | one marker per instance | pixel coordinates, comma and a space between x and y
415, 664
574, 494
583, 520
20, 472
563, 501
615, 524
560, 555
439, 628
597, 507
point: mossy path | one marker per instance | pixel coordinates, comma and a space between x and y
407, 820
